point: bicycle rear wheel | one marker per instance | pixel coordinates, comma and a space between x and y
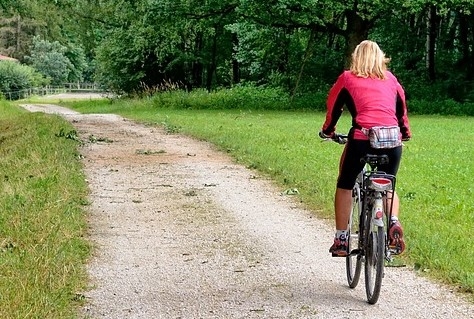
354, 259
374, 263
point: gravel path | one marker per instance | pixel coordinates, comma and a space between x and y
181, 231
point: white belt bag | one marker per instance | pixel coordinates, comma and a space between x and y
383, 136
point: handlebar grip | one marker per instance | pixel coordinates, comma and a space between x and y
324, 136
339, 138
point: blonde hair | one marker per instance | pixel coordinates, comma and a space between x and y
368, 60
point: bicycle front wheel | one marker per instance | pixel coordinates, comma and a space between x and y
354, 259
374, 263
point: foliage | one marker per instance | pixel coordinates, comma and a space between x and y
239, 97
21, 20
120, 62
159, 41
242, 97
50, 59
15, 77
252, 97
445, 107
78, 63
297, 46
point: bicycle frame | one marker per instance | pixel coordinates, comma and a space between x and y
368, 223
376, 186
373, 186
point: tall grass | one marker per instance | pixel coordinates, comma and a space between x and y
43, 190
434, 181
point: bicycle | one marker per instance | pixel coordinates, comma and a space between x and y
368, 224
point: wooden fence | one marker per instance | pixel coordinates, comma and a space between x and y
51, 90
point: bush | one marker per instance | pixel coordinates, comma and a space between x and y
443, 107
249, 97
15, 78
238, 97
310, 101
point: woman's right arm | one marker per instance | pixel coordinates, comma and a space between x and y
334, 104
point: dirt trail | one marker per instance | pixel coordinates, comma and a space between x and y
181, 231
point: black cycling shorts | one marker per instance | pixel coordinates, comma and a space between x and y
350, 165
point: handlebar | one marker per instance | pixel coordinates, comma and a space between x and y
338, 138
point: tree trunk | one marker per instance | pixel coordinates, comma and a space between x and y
470, 21
307, 54
449, 30
197, 64
431, 43
357, 31
212, 66
235, 62
466, 60
18, 34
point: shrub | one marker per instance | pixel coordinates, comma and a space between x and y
15, 78
237, 97
250, 97
441, 107
240, 97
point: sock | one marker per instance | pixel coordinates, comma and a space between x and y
341, 234
393, 219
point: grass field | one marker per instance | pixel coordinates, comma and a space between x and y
42, 225
434, 181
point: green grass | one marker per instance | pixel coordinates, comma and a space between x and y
434, 181
437, 192
42, 223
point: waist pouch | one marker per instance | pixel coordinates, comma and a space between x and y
383, 136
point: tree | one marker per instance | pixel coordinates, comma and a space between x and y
300, 45
15, 34
79, 65
50, 59
166, 41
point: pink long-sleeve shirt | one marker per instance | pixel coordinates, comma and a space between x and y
371, 102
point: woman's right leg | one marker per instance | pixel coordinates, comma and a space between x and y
349, 168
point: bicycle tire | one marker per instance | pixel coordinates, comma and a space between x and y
374, 263
354, 259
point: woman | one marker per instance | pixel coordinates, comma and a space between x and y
374, 97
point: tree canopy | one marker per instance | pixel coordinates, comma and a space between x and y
300, 46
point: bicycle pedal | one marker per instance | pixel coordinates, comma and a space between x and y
355, 252
340, 255
395, 250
